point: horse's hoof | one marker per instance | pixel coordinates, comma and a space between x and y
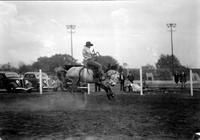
108, 97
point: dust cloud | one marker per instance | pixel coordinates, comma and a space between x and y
49, 102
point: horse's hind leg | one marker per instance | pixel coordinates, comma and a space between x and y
108, 95
110, 92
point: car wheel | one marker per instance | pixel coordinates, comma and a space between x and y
29, 91
29, 84
12, 88
55, 89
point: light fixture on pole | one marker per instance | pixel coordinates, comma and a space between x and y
171, 27
71, 29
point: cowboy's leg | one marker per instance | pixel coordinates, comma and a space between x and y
91, 64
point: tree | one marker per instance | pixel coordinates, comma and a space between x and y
48, 64
8, 67
24, 68
164, 66
165, 62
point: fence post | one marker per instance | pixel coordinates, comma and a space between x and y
141, 84
40, 81
88, 88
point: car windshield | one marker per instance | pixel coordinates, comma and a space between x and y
44, 75
12, 74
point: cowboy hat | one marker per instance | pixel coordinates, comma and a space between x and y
88, 43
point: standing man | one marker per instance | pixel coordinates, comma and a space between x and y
183, 79
130, 77
97, 87
122, 80
176, 77
90, 61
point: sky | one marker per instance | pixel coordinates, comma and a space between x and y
132, 32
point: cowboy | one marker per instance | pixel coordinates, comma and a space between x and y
90, 61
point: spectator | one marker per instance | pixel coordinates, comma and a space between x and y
176, 77
183, 79
97, 87
122, 80
130, 77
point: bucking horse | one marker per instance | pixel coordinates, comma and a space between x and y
81, 74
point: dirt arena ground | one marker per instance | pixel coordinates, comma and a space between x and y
67, 116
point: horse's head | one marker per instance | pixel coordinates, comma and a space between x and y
113, 77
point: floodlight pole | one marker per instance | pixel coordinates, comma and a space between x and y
172, 28
40, 80
71, 29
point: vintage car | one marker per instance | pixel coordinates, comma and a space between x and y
196, 136
12, 82
33, 79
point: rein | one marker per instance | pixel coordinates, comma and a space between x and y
79, 75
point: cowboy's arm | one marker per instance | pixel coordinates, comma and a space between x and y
95, 53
